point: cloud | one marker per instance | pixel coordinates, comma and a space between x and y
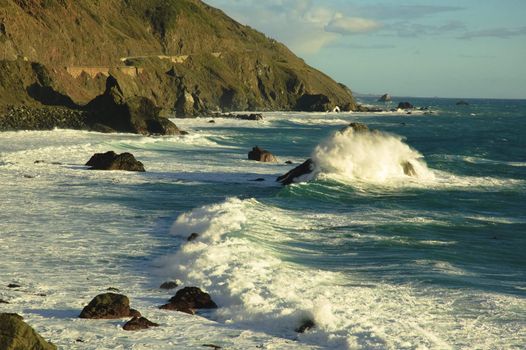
351, 25
409, 29
502, 33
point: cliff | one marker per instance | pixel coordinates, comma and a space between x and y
182, 54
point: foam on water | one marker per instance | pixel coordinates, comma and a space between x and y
367, 156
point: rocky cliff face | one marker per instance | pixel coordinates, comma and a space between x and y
182, 54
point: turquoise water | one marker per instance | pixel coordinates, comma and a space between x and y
377, 259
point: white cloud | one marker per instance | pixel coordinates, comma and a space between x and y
351, 25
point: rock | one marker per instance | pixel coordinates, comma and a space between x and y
193, 237
251, 116
357, 127
314, 103
288, 162
211, 121
113, 289
409, 169
259, 179
137, 323
261, 155
305, 326
190, 299
2, 301
215, 347
168, 285
15, 334
13, 285
305, 168
362, 108
135, 114
385, 98
112, 161
462, 103
109, 306
405, 105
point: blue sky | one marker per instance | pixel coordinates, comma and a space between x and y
462, 48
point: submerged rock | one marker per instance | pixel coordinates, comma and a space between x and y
112, 161
109, 306
168, 285
138, 323
261, 155
190, 299
15, 334
305, 326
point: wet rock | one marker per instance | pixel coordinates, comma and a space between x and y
405, 105
109, 306
259, 179
113, 289
409, 169
190, 299
168, 285
212, 121
357, 127
362, 108
305, 326
303, 169
15, 334
112, 161
138, 323
2, 301
216, 347
193, 237
261, 155
288, 162
13, 285
250, 116
385, 98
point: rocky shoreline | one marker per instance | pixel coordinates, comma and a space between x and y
14, 118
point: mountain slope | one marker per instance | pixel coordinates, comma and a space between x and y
181, 54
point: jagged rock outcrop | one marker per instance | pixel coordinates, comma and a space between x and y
136, 114
113, 161
304, 168
15, 334
182, 55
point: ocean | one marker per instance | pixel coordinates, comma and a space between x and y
375, 258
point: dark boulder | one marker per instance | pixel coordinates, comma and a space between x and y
134, 114
357, 127
409, 169
15, 334
305, 326
385, 98
405, 105
193, 236
314, 103
261, 155
138, 323
112, 161
168, 285
305, 168
190, 299
109, 306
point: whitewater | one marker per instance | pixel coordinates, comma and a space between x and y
376, 258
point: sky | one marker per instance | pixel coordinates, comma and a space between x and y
428, 48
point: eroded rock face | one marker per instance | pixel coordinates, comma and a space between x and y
261, 155
113, 161
134, 114
109, 306
15, 334
138, 323
190, 299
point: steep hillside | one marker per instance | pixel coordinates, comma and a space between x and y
181, 54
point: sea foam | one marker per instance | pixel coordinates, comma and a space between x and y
367, 156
